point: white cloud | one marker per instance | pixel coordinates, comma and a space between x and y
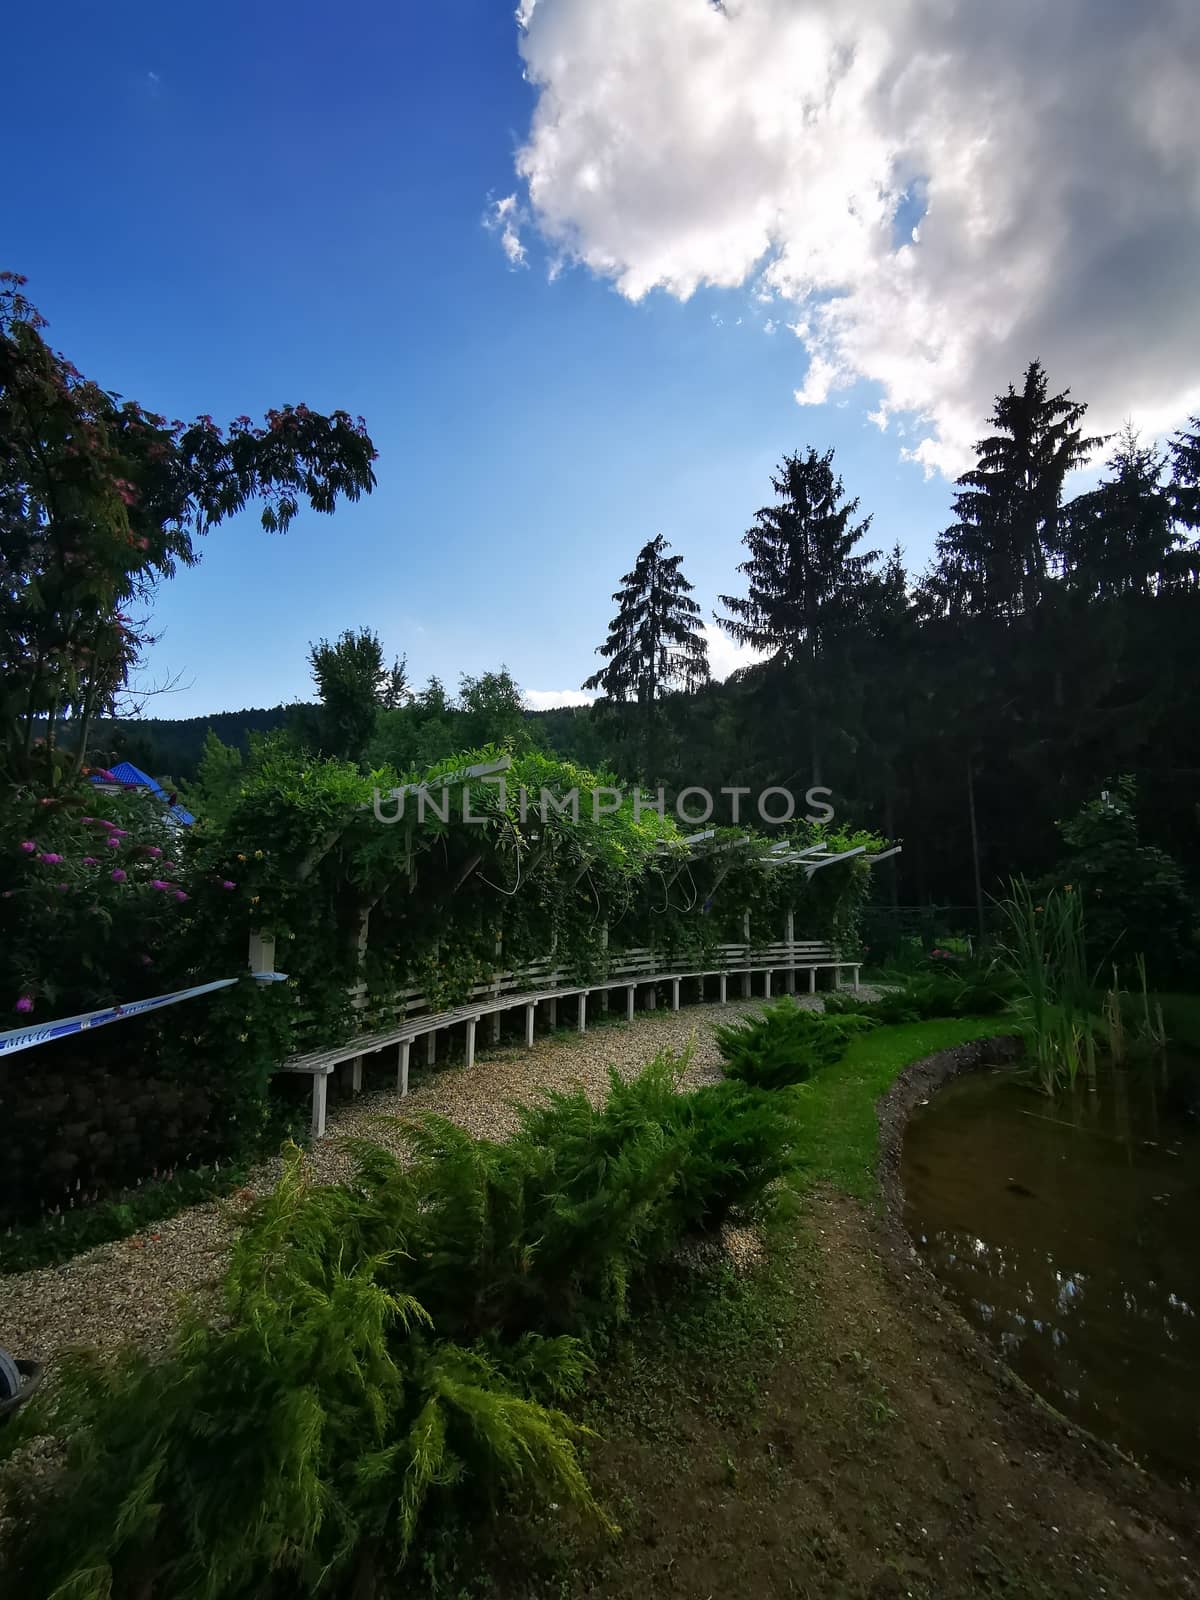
777, 144
505, 217
724, 656
547, 699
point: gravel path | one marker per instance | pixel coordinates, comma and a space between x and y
131, 1289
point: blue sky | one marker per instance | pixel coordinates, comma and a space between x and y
284, 203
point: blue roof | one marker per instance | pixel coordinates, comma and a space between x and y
124, 772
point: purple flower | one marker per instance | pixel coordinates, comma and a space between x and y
51, 859
118, 876
28, 846
118, 833
113, 842
90, 861
159, 883
226, 884
146, 961
25, 1003
179, 895
153, 850
87, 819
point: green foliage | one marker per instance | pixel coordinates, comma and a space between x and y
385, 1350
1133, 894
101, 500
919, 997
218, 782
294, 1443
354, 685
783, 1044
1044, 952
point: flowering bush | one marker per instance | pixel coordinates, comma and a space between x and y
89, 912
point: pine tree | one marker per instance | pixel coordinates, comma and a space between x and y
1119, 537
807, 590
808, 597
653, 643
998, 556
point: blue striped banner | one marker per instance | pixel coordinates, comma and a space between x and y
42, 1033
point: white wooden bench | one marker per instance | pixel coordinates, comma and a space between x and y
541, 983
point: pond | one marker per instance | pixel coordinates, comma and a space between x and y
1068, 1232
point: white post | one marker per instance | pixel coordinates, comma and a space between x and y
495, 1027
812, 980
857, 970
320, 1095
402, 1066
674, 994
746, 984
583, 1013
356, 1075
471, 1021
629, 994
262, 952
724, 983
552, 1011
431, 1046
529, 1011
767, 985
604, 1002
790, 936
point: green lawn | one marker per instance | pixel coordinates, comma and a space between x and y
838, 1102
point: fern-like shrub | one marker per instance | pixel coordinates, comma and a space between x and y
920, 998
385, 1348
293, 1446
784, 1044
548, 1231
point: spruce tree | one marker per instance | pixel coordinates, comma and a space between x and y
807, 589
1005, 545
653, 643
1119, 537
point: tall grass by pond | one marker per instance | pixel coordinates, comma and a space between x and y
1065, 1016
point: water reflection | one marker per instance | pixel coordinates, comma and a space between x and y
1066, 1230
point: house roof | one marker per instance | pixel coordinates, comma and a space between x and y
131, 777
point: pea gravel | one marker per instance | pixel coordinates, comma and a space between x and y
132, 1289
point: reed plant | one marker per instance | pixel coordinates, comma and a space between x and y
1043, 950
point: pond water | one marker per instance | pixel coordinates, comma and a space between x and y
1068, 1231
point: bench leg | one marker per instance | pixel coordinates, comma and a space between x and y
812, 980
356, 1075
431, 1046
767, 985
402, 1066
471, 1025
724, 989
604, 1002
674, 994
529, 1011
320, 1096
552, 1012
495, 1027
857, 970
629, 997
791, 980
746, 986
583, 1013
